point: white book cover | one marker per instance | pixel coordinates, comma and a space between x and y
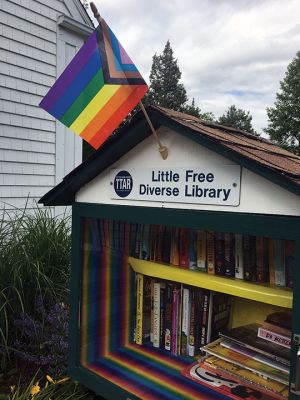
186, 306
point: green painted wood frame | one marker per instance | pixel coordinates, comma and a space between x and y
273, 226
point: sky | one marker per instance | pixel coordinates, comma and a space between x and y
229, 51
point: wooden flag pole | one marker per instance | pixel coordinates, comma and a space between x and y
162, 149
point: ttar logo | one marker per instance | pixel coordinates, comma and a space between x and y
123, 183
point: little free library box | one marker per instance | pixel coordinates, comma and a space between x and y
185, 276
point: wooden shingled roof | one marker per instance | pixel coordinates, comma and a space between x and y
255, 148
255, 153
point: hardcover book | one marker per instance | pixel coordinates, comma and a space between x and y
210, 242
279, 262
239, 259
193, 249
220, 254
249, 252
201, 251
229, 264
247, 336
184, 248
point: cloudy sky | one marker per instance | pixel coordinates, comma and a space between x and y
229, 51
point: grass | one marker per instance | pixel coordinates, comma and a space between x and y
34, 265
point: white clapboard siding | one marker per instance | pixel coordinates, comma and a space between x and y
36, 44
22, 168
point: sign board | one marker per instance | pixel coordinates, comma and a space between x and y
217, 185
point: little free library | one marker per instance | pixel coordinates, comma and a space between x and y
185, 276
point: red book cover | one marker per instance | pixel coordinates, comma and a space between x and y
184, 248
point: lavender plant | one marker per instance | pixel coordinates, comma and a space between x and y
42, 341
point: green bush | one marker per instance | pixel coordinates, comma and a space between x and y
34, 266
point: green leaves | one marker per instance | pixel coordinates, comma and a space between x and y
237, 118
284, 117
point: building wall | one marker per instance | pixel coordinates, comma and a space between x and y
37, 40
257, 195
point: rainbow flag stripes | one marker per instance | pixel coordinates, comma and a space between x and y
107, 317
97, 90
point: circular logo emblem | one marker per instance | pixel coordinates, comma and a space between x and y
123, 183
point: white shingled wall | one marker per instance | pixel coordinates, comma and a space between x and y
33, 158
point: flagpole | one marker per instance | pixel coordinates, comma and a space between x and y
162, 149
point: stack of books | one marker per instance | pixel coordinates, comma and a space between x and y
241, 361
251, 258
178, 318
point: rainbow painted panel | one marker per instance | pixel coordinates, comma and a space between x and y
107, 322
97, 90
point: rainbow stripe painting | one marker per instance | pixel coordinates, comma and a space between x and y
107, 320
97, 90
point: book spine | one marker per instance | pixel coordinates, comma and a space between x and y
204, 319
152, 310
239, 261
192, 329
185, 321
168, 316
229, 263
145, 243
174, 335
279, 262
166, 245
146, 309
156, 314
210, 242
274, 337
262, 263
139, 309
289, 262
201, 251
220, 254
184, 248
175, 246
162, 314
271, 262
179, 320
209, 317
159, 243
192, 249
249, 252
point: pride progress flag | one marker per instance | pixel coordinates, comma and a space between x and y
97, 90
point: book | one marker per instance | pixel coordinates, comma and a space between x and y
276, 329
168, 316
239, 261
280, 318
205, 303
271, 262
185, 325
152, 309
184, 248
269, 387
255, 356
262, 262
145, 242
273, 337
162, 314
220, 314
143, 308
247, 336
192, 249
229, 387
201, 251
139, 309
245, 361
174, 257
249, 254
156, 315
289, 262
210, 246
229, 256
219, 254
175, 311
166, 245
279, 262
179, 320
